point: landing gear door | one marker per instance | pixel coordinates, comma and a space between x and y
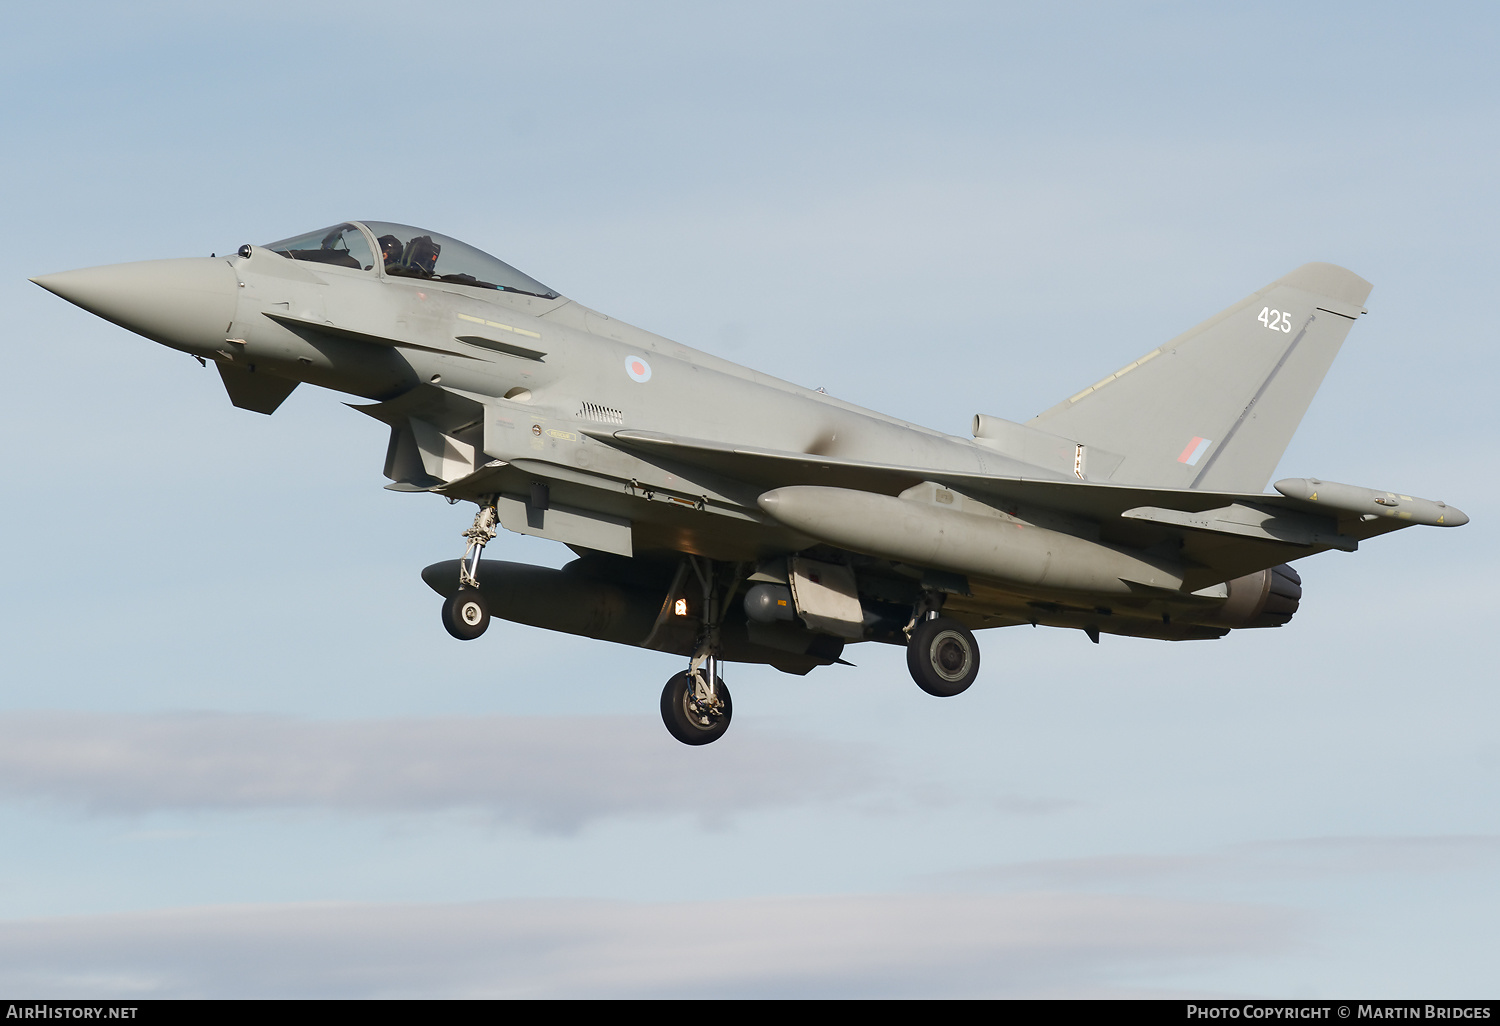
826, 598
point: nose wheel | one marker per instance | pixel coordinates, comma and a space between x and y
694, 714
943, 656
465, 614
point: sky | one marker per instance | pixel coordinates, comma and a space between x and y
240, 757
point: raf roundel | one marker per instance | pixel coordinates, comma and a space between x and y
638, 369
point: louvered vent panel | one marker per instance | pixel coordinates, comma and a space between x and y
603, 414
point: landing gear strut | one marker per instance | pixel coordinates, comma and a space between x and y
695, 704
941, 653
465, 615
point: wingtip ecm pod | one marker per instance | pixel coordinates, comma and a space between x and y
1215, 407
1370, 503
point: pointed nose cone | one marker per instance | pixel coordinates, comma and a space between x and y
185, 304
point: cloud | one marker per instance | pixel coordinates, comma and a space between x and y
1114, 871
1442, 853
875, 946
1297, 858
550, 773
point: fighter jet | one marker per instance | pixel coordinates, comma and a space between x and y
722, 515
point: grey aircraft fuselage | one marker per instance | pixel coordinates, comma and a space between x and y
686, 481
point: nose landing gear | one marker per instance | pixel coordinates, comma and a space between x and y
465, 615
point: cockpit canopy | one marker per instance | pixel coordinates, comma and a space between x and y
343, 245
407, 252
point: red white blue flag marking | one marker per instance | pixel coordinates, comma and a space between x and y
1197, 447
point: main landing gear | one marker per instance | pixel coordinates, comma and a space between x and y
694, 713
695, 704
465, 614
941, 653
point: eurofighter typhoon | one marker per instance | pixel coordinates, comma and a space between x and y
722, 515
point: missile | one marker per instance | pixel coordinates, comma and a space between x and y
984, 544
1371, 503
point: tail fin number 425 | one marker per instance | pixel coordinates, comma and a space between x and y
1275, 320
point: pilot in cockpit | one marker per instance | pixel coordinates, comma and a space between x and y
390, 251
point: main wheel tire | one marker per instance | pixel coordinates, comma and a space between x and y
943, 657
465, 614
685, 720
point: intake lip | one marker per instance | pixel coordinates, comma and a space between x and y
186, 304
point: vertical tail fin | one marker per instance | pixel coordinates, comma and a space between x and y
1216, 407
